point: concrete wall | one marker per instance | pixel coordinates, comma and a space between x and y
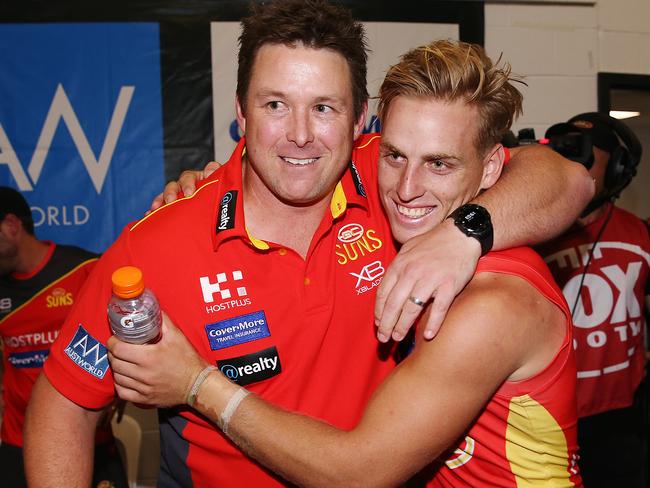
561, 48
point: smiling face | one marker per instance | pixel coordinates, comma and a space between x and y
429, 164
299, 124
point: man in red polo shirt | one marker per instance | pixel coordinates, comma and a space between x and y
39, 283
272, 266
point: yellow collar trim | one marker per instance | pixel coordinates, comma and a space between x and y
259, 244
338, 203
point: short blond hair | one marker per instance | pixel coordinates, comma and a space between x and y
454, 70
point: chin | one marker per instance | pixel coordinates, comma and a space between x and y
402, 235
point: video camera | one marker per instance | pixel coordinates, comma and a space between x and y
573, 145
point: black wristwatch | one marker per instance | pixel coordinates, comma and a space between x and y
474, 221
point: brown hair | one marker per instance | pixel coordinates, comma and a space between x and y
454, 70
315, 24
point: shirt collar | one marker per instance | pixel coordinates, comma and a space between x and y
229, 221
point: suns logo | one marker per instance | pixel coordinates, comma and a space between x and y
59, 298
355, 242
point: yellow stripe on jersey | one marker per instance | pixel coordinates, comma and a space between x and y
536, 447
368, 141
47, 287
168, 205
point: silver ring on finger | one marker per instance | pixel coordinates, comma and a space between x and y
416, 301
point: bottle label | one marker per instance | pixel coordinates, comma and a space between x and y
127, 322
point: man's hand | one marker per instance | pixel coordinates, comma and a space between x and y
185, 186
433, 266
159, 374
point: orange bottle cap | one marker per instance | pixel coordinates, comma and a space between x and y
127, 282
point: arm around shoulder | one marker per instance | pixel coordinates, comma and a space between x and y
56, 425
540, 194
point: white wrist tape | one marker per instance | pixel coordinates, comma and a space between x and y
200, 378
231, 407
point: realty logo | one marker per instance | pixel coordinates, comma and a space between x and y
251, 368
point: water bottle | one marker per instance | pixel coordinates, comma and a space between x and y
133, 311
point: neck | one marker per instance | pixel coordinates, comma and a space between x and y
270, 219
31, 253
595, 215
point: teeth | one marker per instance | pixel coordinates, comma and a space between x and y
299, 162
414, 213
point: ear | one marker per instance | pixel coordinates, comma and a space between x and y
360, 123
492, 165
11, 226
241, 118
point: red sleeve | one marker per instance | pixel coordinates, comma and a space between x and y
78, 362
507, 152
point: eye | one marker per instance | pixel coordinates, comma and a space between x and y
323, 109
394, 157
439, 166
274, 104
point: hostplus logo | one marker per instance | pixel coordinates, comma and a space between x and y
227, 290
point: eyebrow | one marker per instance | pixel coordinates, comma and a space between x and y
279, 94
387, 146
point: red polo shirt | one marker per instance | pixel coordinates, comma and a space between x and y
32, 310
298, 332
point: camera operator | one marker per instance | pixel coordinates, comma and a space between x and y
602, 264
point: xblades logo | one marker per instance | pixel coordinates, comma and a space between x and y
369, 272
61, 109
251, 368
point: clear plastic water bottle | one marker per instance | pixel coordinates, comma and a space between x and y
133, 311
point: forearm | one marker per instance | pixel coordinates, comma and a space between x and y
539, 195
302, 450
59, 439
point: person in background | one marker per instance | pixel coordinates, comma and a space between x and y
273, 264
602, 264
497, 383
39, 283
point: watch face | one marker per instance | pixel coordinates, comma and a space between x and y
476, 220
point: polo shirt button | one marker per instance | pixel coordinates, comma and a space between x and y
307, 281
282, 251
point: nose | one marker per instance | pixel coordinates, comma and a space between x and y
409, 186
300, 130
